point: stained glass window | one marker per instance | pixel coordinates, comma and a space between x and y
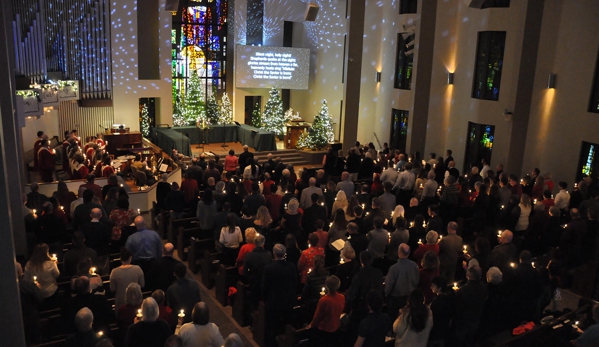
479, 145
588, 165
489, 63
408, 6
199, 44
399, 129
405, 61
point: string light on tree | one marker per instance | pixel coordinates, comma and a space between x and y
145, 121
273, 117
257, 117
194, 107
226, 110
212, 109
321, 132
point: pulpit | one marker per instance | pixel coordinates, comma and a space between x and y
117, 142
294, 131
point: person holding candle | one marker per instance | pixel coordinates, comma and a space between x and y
184, 293
443, 309
82, 296
44, 268
200, 332
326, 320
148, 331
85, 335
450, 249
306, 260
504, 253
430, 245
315, 280
122, 276
470, 303
31, 298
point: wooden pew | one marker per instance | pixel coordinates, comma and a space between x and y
225, 278
293, 337
208, 267
174, 224
195, 252
241, 306
184, 240
164, 220
153, 216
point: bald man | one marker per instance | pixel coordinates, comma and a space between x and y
145, 245
450, 248
161, 272
402, 279
306, 199
97, 234
504, 253
346, 185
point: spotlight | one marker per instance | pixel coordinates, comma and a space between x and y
377, 77
551, 81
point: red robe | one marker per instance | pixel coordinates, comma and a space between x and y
101, 143
90, 153
36, 149
46, 164
98, 170
66, 165
80, 172
107, 170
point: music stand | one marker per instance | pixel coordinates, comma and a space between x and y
224, 145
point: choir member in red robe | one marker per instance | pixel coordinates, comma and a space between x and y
46, 161
100, 141
107, 169
80, 171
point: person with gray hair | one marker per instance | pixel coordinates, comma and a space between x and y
450, 248
85, 335
279, 283
494, 275
327, 318
346, 185
200, 332
233, 340
306, 198
401, 280
148, 331
504, 253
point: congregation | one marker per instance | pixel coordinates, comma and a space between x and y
375, 247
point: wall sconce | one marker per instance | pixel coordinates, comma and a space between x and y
551, 81
377, 77
450, 77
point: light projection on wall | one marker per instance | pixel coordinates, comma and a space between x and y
199, 44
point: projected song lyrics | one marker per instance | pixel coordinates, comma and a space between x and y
272, 66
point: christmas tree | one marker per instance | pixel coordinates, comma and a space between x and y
212, 111
145, 121
321, 132
257, 117
273, 117
193, 107
226, 110
178, 117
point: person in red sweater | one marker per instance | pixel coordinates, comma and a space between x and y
189, 187
327, 317
306, 261
429, 270
323, 236
430, 245
250, 238
165, 312
231, 163
46, 161
273, 202
266, 184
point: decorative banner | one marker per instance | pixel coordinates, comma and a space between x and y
31, 102
49, 94
68, 90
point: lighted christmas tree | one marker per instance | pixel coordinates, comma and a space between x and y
257, 117
194, 107
144, 119
226, 110
178, 117
321, 132
273, 116
212, 110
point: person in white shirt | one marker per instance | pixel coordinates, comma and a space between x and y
390, 174
562, 199
486, 167
200, 332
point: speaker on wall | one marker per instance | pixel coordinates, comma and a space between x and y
171, 5
311, 12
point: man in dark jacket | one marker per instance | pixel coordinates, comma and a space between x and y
470, 303
77, 253
162, 271
183, 294
279, 283
312, 214
505, 253
255, 200
244, 157
253, 267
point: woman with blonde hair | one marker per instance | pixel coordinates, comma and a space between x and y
349, 210
340, 201
250, 238
41, 268
522, 211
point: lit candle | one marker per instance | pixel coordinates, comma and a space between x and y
322, 292
465, 249
499, 233
367, 213
424, 224
420, 185
181, 314
121, 184
535, 201
325, 190
419, 241
502, 207
139, 313
466, 176
330, 224
93, 271
309, 270
138, 211
440, 238
224, 192
54, 257
512, 264
34, 211
411, 224
322, 204
285, 206
362, 206
62, 208
533, 264
100, 333
392, 213
455, 286
341, 261
34, 279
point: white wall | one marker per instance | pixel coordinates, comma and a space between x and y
48, 123
559, 120
127, 88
